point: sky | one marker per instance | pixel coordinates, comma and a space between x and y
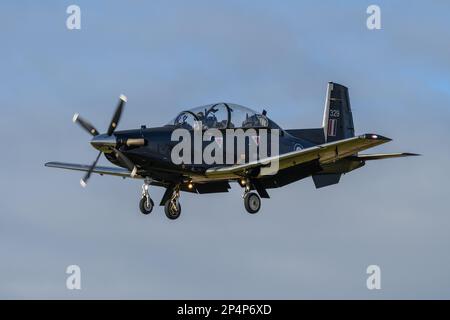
275, 55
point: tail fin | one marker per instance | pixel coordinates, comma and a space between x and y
337, 125
337, 118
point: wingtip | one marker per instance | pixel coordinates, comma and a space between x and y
123, 98
410, 154
75, 117
50, 164
83, 183
374, 136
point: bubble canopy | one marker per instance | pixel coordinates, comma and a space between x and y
222, 116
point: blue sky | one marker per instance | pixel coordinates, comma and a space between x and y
276, 55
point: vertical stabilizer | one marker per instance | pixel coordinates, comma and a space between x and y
337, 118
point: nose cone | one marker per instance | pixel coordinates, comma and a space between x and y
103, 142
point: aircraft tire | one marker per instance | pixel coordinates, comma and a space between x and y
170, 212
252, 202
145, 209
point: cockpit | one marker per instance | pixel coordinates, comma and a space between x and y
222, 116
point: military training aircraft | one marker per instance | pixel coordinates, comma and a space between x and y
147, 153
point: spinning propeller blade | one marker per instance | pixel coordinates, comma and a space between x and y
116, 117
84, 181
127, 162
85, 124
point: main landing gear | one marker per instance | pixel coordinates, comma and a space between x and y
252, 201
172, 207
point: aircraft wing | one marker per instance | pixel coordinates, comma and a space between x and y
324, 153
114, 171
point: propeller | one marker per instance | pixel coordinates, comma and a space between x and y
86, 125
127, 162
83, 181
116, 117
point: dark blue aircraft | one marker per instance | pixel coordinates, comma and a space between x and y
323, 153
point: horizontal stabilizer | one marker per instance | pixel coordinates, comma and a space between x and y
380, 156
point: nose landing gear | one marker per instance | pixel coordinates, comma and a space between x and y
146, 203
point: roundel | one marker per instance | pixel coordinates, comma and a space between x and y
298, 147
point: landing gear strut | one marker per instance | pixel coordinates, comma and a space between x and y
172, 207
252, 201
146, 203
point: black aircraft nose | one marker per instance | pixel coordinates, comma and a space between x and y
103, 142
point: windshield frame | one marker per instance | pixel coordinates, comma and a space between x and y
230, 108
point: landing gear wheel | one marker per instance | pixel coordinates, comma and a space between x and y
172, 209
252, 202
146, 206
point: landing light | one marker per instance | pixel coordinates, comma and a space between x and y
190, 185
374, 136
242, 182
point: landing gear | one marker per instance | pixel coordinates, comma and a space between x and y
252, 201
146, 203
172, 207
